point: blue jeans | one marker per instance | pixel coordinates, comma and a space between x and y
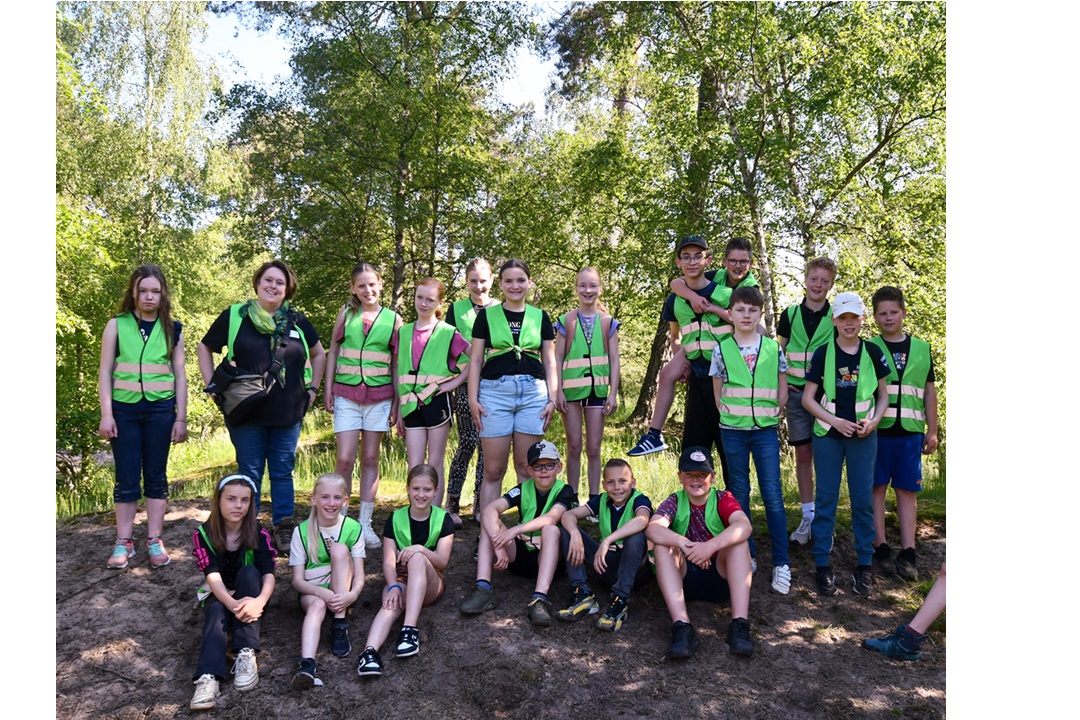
141, 452
764, 445
623, 566
830, 455
273, 448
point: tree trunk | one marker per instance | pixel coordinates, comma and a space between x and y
647, 393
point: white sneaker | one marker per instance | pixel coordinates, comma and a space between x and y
372, 540
802, 534
206, 693
245, 670
781, 580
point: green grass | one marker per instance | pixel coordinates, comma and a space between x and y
196, 465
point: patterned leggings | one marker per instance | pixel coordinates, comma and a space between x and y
468, 440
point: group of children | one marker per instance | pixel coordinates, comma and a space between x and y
868, 405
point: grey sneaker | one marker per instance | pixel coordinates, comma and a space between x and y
480, 601
802, 534
206, 693
539, 612
245, 670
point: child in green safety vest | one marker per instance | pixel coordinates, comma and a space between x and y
908, 430
749, 373
845, 392
327, 560
701, 553
234, 554
427, 372
417, 540
587, 355
619, 559
531, 548
802, 329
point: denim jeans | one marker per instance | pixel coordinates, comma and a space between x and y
764, 445
623, 566
830, 455
141, 452
273, 448
220, 622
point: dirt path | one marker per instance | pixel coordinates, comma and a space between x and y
126, 645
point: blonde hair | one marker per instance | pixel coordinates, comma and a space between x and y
354, 302
824, 263
475, 264
313, 520
599, 303
440, 291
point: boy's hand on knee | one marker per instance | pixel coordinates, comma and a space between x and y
502, 560
600, 559
575, 554
698, 554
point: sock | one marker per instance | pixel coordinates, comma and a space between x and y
655, 432
486, 584
542, 596
808, 510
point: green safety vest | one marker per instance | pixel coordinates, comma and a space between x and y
234, 328
502, 339
464, 314
605, 515
203, 592
712, 513
416, 386
356, 362
403, 529
350, 533
750, 400
698, 337
906, 394
528, 504
800, 348
586, 367
864, 390
142, 368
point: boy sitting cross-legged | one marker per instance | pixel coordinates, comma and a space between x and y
619, 559
530, 548
702, 553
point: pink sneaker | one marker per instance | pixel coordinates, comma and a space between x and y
122, 551
156, 550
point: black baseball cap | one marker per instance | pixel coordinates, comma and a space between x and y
692, 240
696, 459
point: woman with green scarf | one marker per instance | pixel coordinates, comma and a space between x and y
254, 331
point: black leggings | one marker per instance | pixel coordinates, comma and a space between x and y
220, 622
468, 440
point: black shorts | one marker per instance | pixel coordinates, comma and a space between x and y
526, 561
593, 401
705, 585
434, 414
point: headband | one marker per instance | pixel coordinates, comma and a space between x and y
236, 476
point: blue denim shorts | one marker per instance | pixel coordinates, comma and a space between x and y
513, 404
899, 459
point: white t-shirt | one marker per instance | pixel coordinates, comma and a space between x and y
321, 575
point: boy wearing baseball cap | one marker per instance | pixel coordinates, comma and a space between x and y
701, 553
846, 394
531, 548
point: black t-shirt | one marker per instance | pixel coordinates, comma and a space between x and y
847, 377
699, 365
899, 352
228, 563
419, 528
506, 364
285, 406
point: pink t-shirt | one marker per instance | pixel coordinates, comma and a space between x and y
420, 339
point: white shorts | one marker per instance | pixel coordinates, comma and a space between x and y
349, 415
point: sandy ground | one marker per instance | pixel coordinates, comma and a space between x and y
126, 645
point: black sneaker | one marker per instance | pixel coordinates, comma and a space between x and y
905, 564
283, 535
684, 641
862, 581
884, 560
370, 663
648, 443
339, 638
826, 582
306, 676
614, 616
738, 637
581, 604
408, 642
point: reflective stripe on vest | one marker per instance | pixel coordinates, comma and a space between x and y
586, 367
416, 386
142, 368
234, 328
800, 348
403, 528
528, 505
698, 336
313, 568
605, 515
748, 399
864, 390
712, 513
366, 358
906, 399
502, 338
